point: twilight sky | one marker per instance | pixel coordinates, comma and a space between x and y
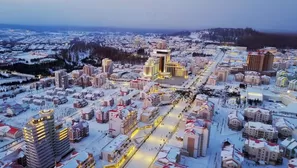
166, 14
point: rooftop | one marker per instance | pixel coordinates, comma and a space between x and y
261, 143
115, 143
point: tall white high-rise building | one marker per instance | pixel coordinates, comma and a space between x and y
61, 79
45, 142
107, 66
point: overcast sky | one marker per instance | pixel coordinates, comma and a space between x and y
166, 14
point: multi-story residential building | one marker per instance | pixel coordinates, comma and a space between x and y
80, 103
153, 99
265, 80
293, 85
123, 123
196, 137
260, 150
292, 163
99, 80
230, 156
282, 81
212, 80
78, 130
201, 99
281, 73
119, 148
252, 79
79, 160
107, 66
87, 114
102, 114
235, 120
44, 142
259, 130
222, 74
205, 111
289, 147
239, 77
259, 61
62, 143
88, 70
258, 115
284, 127
149, 114
61, 79
138, 83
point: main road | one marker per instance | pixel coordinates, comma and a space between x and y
148, 151
150, 148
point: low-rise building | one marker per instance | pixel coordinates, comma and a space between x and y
289, 147
79, 160
167, 157
119, 148
258, 115
284, 127
200, 99
87, 114
149, 114
9, 131
282, 81
123, 123
205, 111
235, 120
212, 80
239, 77
261, 151
230, 156
293, 85
259, 130
78, 131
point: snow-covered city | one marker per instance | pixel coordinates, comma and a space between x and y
180, 101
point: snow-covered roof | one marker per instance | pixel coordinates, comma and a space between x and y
257, 109
261, 143
282, 122
229, 152
234, 114
115, 143
259, 125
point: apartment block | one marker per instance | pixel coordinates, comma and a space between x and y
289, 147
45, 143
258, 115
78, 130
230, 156
61, 79
235, 120
196, 137
259, 150
123, 123
259, 130
119, 148
284, 127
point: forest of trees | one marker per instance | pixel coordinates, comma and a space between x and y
252, 39
38, 69
98, 52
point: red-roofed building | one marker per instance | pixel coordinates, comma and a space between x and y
9, 131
